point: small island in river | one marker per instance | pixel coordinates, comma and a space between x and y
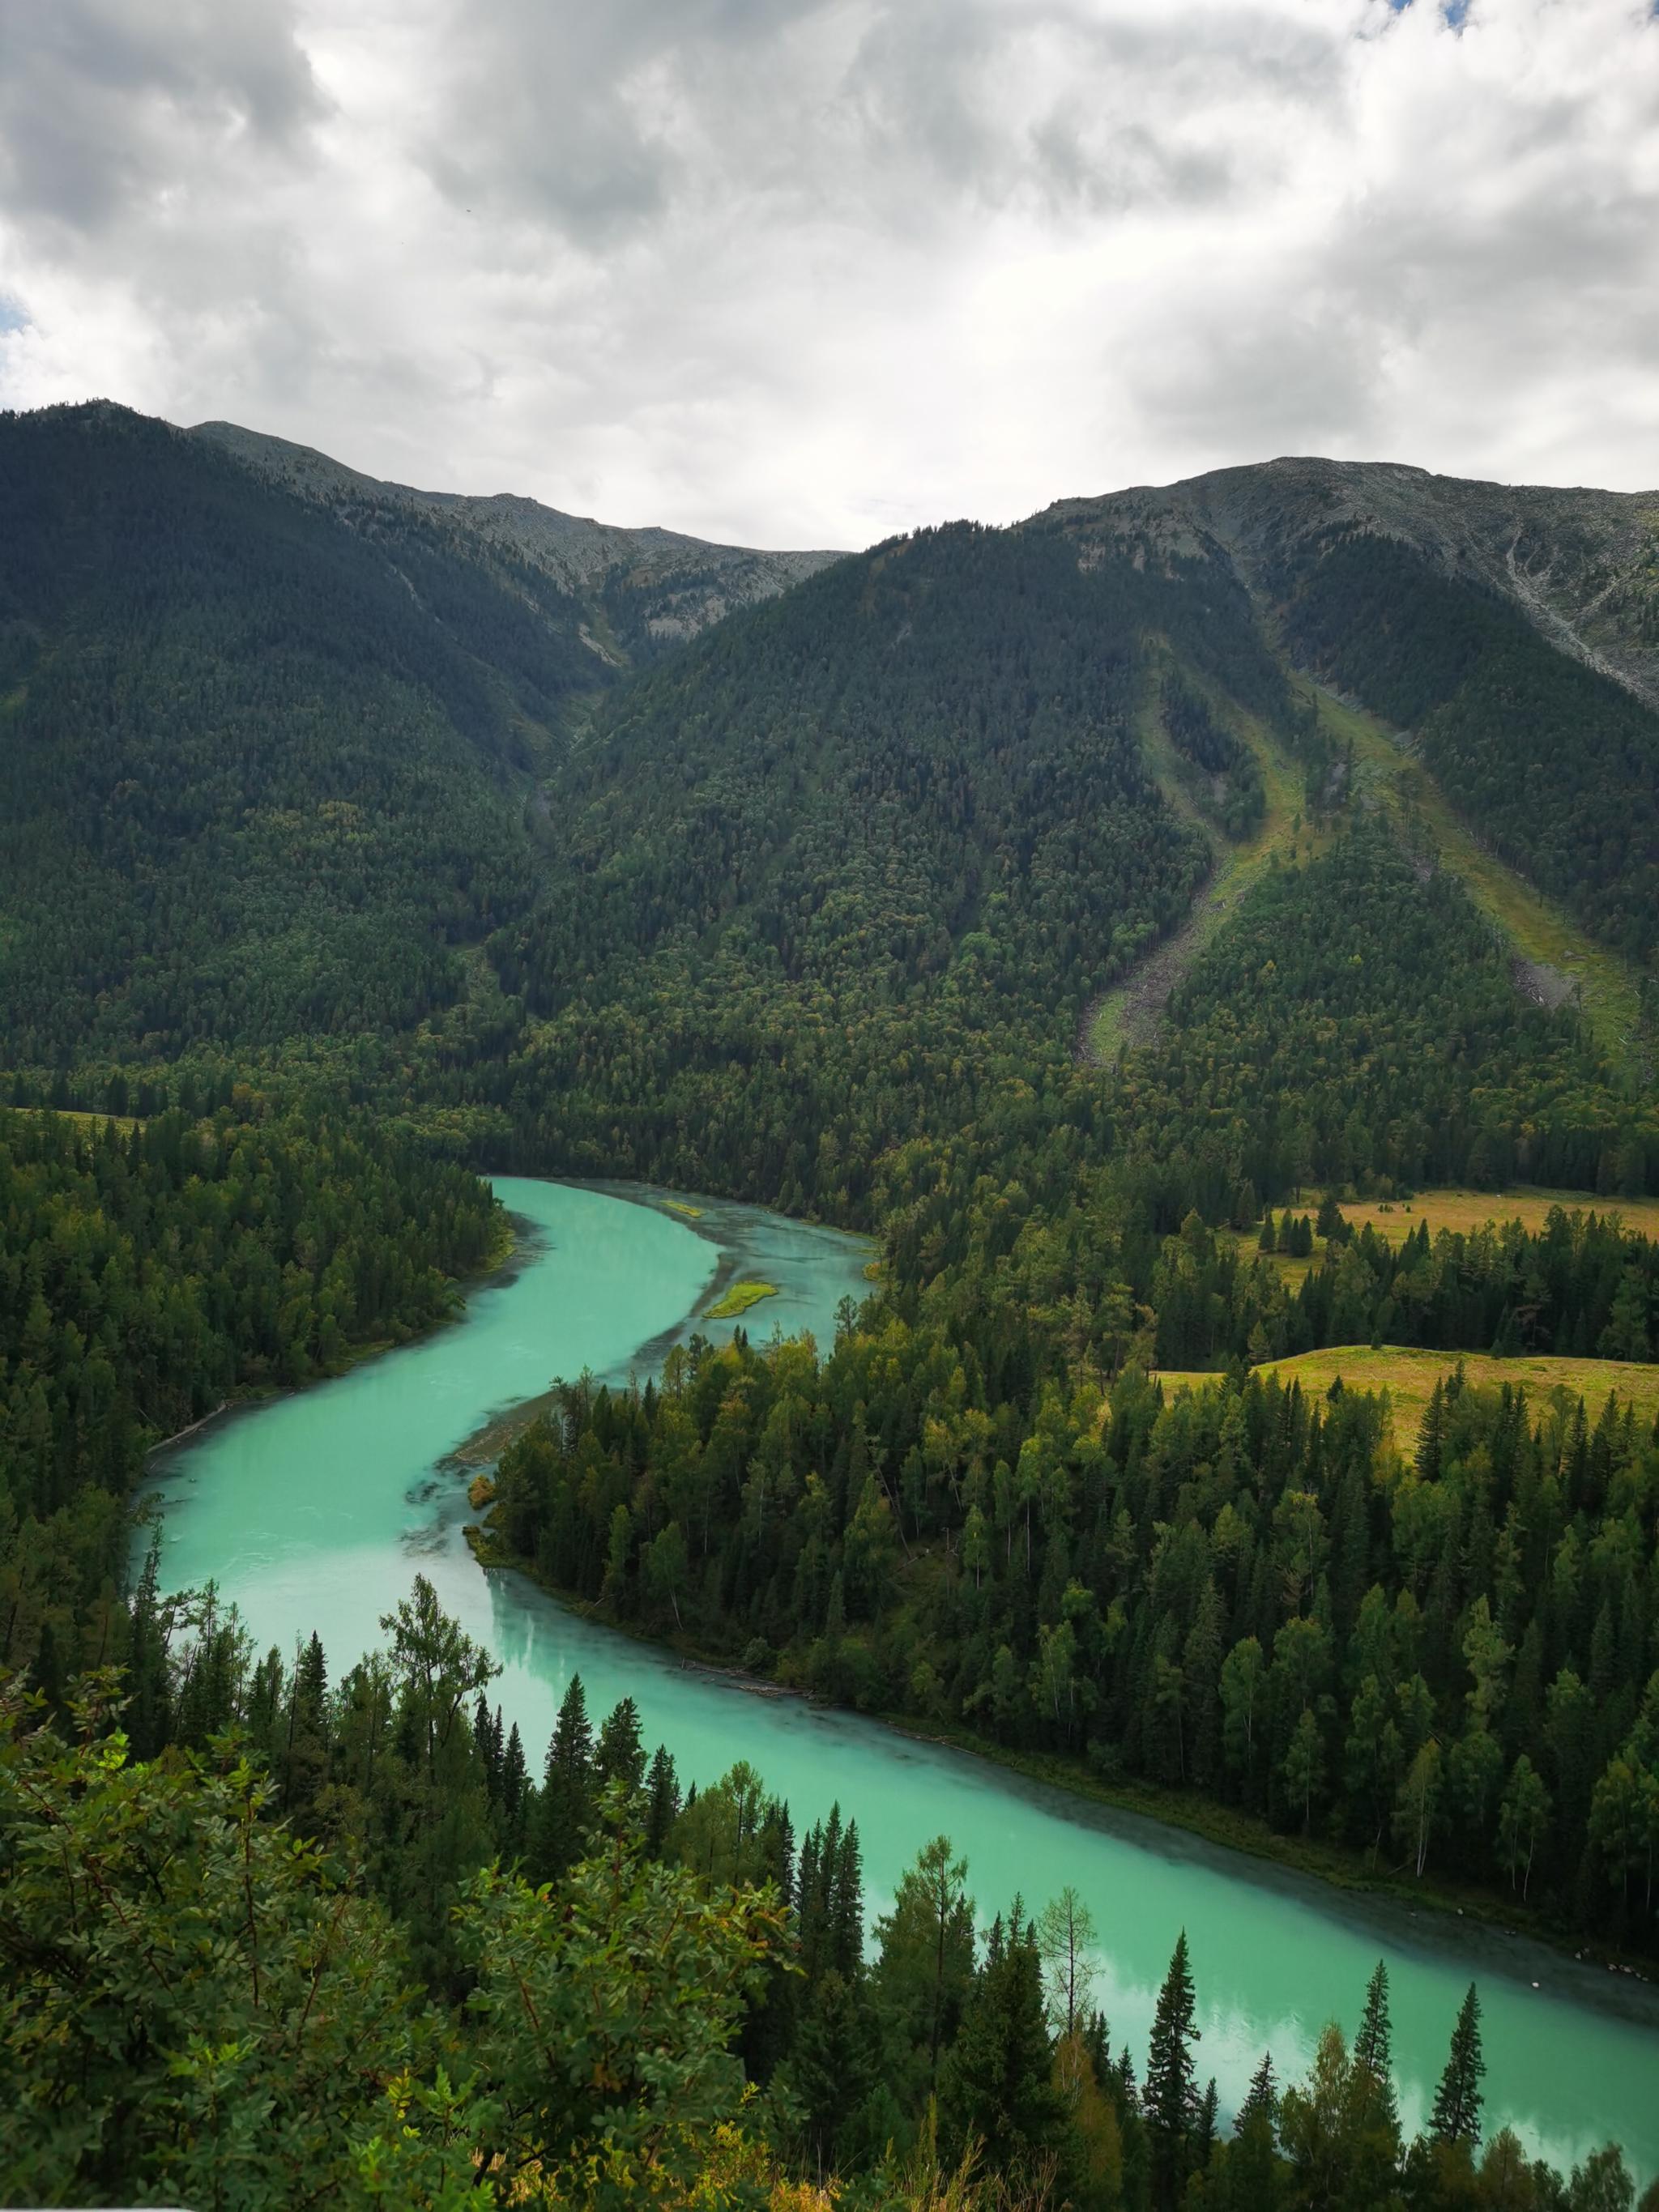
737, 1299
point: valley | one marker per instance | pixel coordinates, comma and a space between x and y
309, 1513
968, 1042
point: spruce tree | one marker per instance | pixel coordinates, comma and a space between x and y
998, 2084
1253, 2170
620, 1755
1169, 2099
1260, 2099
565, 1805
662, 1801
1456, 2115
1205, 2131
832, 2066
846, 1917
514, 1782
1373, 2058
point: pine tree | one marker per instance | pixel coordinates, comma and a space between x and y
998, 2084
662, 1801
311, 1678
1260, 2099
1431, 1436
846, 1917
1456, 2115
565, 1806
1204, 2133
1252, 2172
1373, 2058
147, 1715
486, 1741
620, 1756
514, 1782
832, 2066
571, 1749
1170, 2100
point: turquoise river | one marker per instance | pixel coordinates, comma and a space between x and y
316, 1510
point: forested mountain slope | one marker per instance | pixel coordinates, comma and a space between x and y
1582, 564
264, 746
821, 882
1512, 632
304, 767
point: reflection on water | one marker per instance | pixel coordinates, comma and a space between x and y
313, 1511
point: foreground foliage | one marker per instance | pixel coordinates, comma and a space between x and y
201, 2008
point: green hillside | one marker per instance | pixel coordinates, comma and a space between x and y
255, 779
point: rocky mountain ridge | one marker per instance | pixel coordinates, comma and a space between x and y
674, 585
1582, 564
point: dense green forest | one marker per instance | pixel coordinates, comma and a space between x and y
255, 779
1580, 1287
1241, 1593
829, 875
148, 1272
688, 2009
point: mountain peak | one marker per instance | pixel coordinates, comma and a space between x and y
1580, 563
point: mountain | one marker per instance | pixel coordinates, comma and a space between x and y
1581, 565
640, 590
1511, 633
841, 884
267, 729
294, 761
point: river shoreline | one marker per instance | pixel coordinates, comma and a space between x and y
1334, 1866
246, 1395
313, 1510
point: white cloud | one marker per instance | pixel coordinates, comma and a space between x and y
811, 270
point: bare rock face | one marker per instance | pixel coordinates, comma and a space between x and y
1581, 565
667, 586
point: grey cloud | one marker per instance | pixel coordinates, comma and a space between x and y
103, 101
806, 270
564, 113
1117, 121
1303, 379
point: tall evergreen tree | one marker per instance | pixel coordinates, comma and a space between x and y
1373, 2058
565, 1804
620, 1755
998, 2085
1456, 2115
662, 1800
1169, 2099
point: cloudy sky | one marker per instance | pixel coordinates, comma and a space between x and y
808, 271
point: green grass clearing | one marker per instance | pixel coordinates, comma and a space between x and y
1129, 1013
1409, 1374
1463, 1211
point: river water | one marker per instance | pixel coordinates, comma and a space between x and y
315, 1511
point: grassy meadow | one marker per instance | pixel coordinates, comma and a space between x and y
1409, 1377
